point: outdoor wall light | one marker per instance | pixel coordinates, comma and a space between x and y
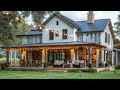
57, 34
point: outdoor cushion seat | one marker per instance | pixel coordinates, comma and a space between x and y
76, 63
58, 63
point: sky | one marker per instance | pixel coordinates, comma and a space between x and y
82, 15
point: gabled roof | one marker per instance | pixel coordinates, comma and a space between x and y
66, 19
97, 26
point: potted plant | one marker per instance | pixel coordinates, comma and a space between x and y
101, 64
45, 64
90, 65
106, 64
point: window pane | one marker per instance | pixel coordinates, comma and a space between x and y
64, 33
51, 34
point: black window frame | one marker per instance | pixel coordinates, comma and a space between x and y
105, 37
109, 38
51, 32
57, 22
64, 33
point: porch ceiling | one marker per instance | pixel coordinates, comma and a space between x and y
58, 44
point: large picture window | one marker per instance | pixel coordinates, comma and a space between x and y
64, 33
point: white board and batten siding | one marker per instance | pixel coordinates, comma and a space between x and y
107, 30
51, 25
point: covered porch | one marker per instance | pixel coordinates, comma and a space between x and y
35, 56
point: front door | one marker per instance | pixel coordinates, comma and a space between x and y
58, 55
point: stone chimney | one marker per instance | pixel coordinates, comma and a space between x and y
90, 17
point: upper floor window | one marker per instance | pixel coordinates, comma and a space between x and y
57, 22
35, 39
64, 33
30, 40
95, 37
81, 37
91, 36
105, 37
108, 38
51, 34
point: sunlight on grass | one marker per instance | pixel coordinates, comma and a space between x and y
57, 75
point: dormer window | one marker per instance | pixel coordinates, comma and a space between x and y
57, 22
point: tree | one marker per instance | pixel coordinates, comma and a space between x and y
117, 27
10, 28
37, 16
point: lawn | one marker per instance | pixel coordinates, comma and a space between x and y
58, 75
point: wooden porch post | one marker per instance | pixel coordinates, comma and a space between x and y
72, 54
77, 53
113, 58
85, 56
43, 56
15, 57
7, 55
90, 54
97, 57
11, 56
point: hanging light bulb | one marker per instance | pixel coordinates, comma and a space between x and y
34, 25
17, 18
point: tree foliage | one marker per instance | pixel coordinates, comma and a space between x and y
117, 32
117, 27
9, 28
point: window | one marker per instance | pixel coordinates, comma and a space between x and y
51, 34
105, 37
35, 39
57, 22
108, 38
64, 33
95, 37
91, 36
81, 37
104, 54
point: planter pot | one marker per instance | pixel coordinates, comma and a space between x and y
45, 66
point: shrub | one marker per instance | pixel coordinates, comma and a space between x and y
24, 69
89, 70
90, 65
45, 64
106, 64
101, 64
4, 65
74, 70
117, 67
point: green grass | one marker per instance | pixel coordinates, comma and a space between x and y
58, 75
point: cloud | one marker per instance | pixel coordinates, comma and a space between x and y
82, 15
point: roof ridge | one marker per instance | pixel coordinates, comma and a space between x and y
95, 20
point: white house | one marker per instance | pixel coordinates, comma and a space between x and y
61, 38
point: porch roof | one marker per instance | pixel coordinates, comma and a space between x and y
75, 43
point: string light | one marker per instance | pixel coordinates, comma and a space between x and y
17, 18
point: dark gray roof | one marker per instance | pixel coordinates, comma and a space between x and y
55, 44
34, 32
70, 20
83, 26
97, 26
